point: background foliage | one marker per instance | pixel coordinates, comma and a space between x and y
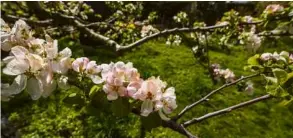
52, 117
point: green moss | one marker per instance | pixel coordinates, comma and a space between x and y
177, 66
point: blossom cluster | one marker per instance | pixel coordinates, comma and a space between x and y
33, 61
40, 68
219, 73
282, 56
174, 40
148, 30
124, 80
181, 17
252, 40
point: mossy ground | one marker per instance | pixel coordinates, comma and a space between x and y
177, 66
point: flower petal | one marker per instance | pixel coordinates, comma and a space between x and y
163, 116
96, 79
112, 96
66, 52
170, 93
146, 107
49, 88
34, 88
16, 67
36, 62
19, 52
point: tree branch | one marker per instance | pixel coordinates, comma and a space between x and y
170, 124
187, 108
39, 23
79, 24
226, 110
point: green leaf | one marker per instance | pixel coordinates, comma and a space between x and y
91, 110
270, 80
286, 102
121, 107
279, 92
74, 98
99, 100
280, 74
288, 84
72, 95
151, 121
94, 90
253, 60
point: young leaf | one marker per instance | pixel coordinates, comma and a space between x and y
253, 60
153, 120
280, 74
121, 107
94, 90
74, 98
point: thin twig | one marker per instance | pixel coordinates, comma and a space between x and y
226, 110
188, 107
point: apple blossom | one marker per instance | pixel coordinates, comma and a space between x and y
283, 56
167, 102
148, 30
117, 77
273, 8
92, 71
227, 74
88, 68
62, 62
16, 87
79, 64
150, 91
249, 88
266, 56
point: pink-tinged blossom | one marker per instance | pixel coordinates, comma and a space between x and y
283, 56
93, 71
133, 87
227, 74
80, 64
120, 78
274, 8
266, 56
62, 62
150, 92
147, 30
150, 89
168, 101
